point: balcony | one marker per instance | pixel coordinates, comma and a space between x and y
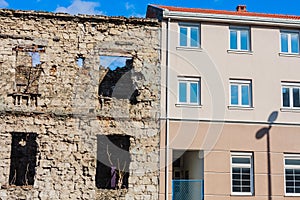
187, 189
188, 176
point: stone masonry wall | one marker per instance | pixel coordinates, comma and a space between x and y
45, 92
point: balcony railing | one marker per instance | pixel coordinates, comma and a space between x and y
187, 190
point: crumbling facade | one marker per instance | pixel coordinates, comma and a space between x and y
72, 128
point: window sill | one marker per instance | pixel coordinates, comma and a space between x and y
188, 105
292, 195
240, 108
295, 110
290, 55
189, 49
241, 194
240, 52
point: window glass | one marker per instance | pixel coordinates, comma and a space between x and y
241, 160
183, 36
284, 42
194, 92
244, 40
194, 36
295, 43
286, 97
292, 162
233, 39
182, 92
234, 95
245, 95
296, 97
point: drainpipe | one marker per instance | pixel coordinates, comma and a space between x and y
167, 112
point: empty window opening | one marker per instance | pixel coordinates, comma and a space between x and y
113, 160
23, 159
116, 80
35, 58
29, 55
28, 68
80, 61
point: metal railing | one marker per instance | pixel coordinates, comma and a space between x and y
187, 190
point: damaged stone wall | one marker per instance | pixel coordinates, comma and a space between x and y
47, 96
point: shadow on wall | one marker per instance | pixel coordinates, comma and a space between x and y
259, 135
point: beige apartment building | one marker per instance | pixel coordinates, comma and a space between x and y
230, 104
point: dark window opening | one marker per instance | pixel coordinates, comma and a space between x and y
23, 159
117, 80
113, 160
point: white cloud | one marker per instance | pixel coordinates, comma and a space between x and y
3, 4
81, 7
129, 6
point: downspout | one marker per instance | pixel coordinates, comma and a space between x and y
167, 112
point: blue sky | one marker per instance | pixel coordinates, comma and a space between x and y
138, 7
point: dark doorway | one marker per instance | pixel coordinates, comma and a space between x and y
113, 160
23, 159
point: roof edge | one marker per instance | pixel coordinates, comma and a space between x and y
78, 17
232, 19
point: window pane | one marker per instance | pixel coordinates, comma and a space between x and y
236, 189
182, 92
194, 36
286, 97
246, 183
245, 95
234, 95
183, 36
246, 177
284, 42
295, 43
291, 162
241, 161
244, 40
233, 39
246, 170
289, 190
296, 97
194, 93
289, 171
236, 170
246, 189
236, 183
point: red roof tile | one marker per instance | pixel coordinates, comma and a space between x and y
224, 12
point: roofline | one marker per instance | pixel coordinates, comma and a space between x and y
230, 18
78, 17
255, 20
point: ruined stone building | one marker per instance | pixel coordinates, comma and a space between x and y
79, 106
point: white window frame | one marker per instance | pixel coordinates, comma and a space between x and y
189, 80
240, 83
289, 32
189, 26
242, 155
295, 157
238, 29
290, 86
